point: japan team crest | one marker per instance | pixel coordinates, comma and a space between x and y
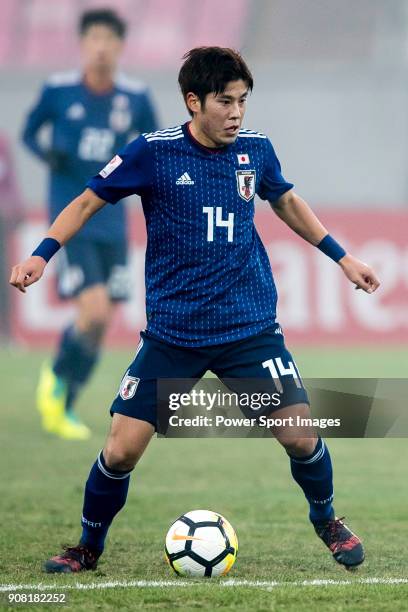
128, 386
246, 183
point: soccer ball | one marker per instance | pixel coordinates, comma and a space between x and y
201, 543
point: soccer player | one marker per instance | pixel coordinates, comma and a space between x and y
92, 113
210, 294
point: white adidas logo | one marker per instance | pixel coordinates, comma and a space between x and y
184, 179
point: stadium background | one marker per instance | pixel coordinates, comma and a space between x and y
331, 92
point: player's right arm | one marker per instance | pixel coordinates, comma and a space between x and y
130, 172
66, 225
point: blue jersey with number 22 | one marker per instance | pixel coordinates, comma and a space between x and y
86, 130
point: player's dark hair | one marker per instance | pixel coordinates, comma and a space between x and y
208, 70
105, 17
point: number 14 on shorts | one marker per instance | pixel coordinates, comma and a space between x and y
277, 369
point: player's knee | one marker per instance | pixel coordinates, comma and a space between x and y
95, 311
99, 314
299, 447
119, 453
119, 458
95, 330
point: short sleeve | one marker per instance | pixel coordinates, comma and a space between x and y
272, 185
129, 172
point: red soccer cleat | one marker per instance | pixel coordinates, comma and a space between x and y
75, 559
345, 546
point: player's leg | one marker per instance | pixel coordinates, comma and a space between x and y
263, 364
84, 339
265, 358
108, 482
77, 355
311, 468
106, 491
134, 414
105, 285
81, 277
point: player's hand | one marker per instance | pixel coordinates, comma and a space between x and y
359, 273
25, 274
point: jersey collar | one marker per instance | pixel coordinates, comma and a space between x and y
198, 145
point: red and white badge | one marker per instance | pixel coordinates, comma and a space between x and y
243, 158
128, 386
111, 166
246, 184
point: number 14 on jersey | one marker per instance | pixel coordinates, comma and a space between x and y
219, 222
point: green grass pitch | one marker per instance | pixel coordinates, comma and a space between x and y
247, 480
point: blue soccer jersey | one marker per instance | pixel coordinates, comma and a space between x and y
86, 129
208, 277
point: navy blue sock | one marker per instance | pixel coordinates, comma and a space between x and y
314, 474
105, 494
75, 360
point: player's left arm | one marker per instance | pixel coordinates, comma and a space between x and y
298, 215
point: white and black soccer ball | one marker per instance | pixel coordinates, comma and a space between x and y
201, 543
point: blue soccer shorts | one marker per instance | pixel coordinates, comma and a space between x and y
257, 363
83, 263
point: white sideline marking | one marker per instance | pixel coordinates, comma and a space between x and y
232, 582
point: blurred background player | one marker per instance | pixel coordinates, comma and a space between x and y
92, 113
11, 213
